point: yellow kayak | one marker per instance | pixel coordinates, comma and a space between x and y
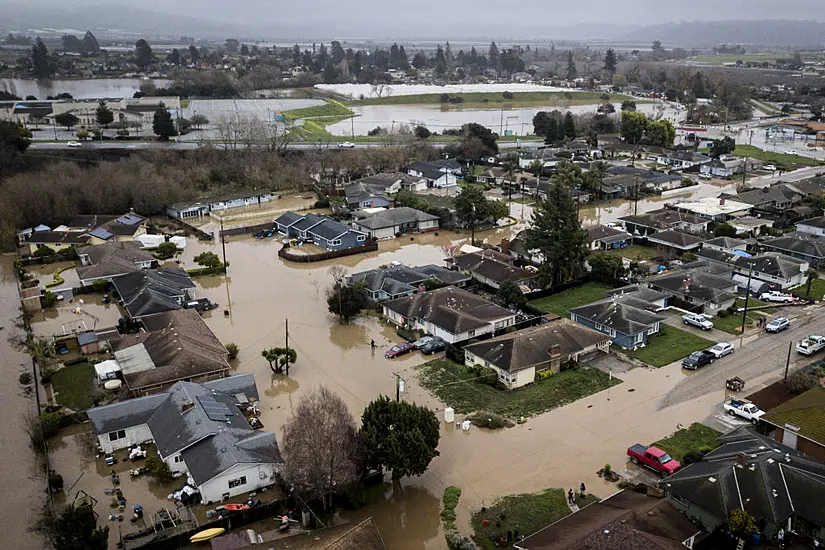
206, 535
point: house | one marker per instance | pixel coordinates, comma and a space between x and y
725, 244
199, 430
112, 259
662, 220
218, 203
629, 179
56, 240
177, 345
776, 270
377, 191
493, 268
320, 230
676, 241
727, 166
517, 249
681, 160
776, 202
775, 484
799, 423
518, 356
625, 520
804, 246
699, 288
656, 300
602, 237
749, 225
714, 209
393, 182
153, 291
438, 173
450, 313
813, 226
396, 221
101, 229
398, 281
627, 320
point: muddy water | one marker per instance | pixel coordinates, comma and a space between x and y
85, 312
22, 477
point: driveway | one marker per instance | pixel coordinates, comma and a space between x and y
713, 334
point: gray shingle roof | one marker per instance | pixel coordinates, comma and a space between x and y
329, 229
126, 414
288, 218
698, 284
492, 265
663, 219
395, 216
621, 313
152, 291
450, 308
799, 243
813, 222
729, 243
113, 258
675, 238
606, 234
58, 237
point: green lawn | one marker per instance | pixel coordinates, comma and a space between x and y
458, 387
636, 253
669, 345
696, 437
331, 108
790, 162
817, 288
476, 99
574, 297
525, 513
74, 386
732, 324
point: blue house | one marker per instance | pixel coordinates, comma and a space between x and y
628, 320
320, 230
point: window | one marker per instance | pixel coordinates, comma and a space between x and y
178, 459
237, 482
362, 238
471, 333
114, 436
640, 337
336, 242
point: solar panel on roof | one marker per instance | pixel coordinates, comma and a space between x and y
129, 219
101, 233
215, 410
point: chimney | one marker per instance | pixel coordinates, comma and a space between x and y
742, 460
505, 246
188, 406
721, 202
555, 352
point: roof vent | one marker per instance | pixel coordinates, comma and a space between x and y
792, 427
770, 461
774, 493
752, 467
712, 479
223, 449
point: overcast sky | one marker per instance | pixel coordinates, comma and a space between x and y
397, 16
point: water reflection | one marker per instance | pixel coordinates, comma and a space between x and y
281, 384
348, 336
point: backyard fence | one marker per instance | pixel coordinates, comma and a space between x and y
321, 256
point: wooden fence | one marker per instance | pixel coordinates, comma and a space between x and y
285, 253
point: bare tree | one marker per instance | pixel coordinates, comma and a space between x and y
320, 446
338, 273
450, 251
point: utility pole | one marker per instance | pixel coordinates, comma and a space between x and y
473, 227
287, 347
788, 361
636, 195
223, 246
352, 124
747, 296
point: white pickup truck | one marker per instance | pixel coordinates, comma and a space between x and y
743, 408
811, 344
776, 296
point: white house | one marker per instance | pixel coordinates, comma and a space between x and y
396, 221
450, 313
813, 226
200, 430
439, 173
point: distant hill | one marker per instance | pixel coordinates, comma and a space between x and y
705, 34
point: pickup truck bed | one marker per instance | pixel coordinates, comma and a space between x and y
638, 448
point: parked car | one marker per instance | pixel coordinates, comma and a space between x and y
697, 320
705, 176
721, 349
698, 359
777, 325
423, 341
789, 152
654, 458
399, 350
743, 408
201, 304
433, 346
776, 296
74, 144
811, 344
346, 145
769, 168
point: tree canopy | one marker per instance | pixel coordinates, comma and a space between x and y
104, 114
162, 124
347, 301
510, 293
634, 125
208, 259
143, 54
610, 63
42, 63
605, 267
398, 436
724, 146
76, 529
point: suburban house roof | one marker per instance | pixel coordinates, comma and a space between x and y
623, 314
813, 222
755, 473
113, 258
58, 237
307, 222
677, 239
453, 309
492, 265
799, 243
329, 229
808, 186
435, 169
781, 193
664, 219
728, 243
806, 413
394, 216
152, 290
624, 521
773, 264
640, 293
530, 347
359, 191
323, 227
179, 345
288, 218
107, 226
400, 279
200, 421
221, 198
697, 284
605, 234
710, 207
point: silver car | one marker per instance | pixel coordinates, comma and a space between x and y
777, 325
721, 349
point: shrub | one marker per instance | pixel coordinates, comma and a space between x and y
507, 95
48, 299
691, 456
158, 469
607, 470
544, 375
722, 314
25, 378
455, 354
43, 251
50, 423
800, 382
490, 420
451, 496
322, 203
407, 334
233, 350
100, 286
166, 250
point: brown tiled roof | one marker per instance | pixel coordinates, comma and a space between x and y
492, 265
807, 411
113, 258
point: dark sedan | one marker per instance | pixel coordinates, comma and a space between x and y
698, 359
399, 350
433, 346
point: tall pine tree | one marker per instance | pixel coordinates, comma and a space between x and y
610, 63
571, 66
42, 64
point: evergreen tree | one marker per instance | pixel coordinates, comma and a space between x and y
556, 233
569, 126
71, 43
174, 57
492, 56
143, 54
610, 63
90, 45
76, 529
571, 66
104, 114
162, 125
440, 61
194, 54
403, 62
41, 61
